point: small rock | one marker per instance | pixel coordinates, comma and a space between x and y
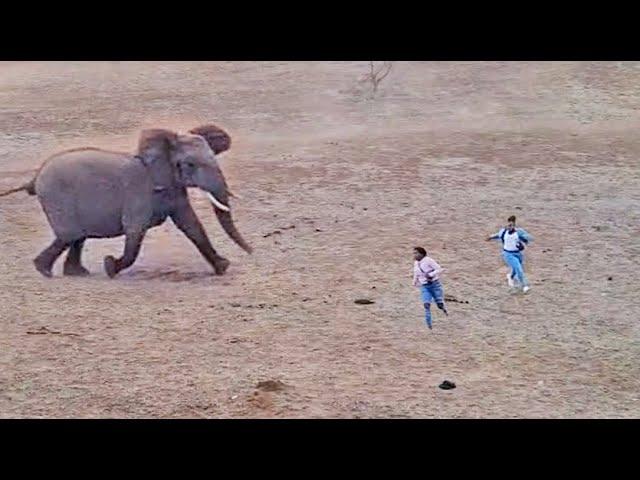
447, 385
236, 305
318, 230
610, 278
363, 301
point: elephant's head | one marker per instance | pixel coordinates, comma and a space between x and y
192, 163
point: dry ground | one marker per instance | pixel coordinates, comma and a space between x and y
443, 155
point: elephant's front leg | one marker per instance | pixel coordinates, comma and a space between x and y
187, 221
131, 250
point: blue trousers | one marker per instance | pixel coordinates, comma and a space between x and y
432, 292
515, 260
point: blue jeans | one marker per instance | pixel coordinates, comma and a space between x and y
515, 261
432, 292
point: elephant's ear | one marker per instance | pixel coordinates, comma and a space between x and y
218, 139
156, 144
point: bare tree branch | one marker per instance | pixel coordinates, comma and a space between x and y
376, 75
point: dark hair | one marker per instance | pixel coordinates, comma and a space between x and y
420, 250
512, 218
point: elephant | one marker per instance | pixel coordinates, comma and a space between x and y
93, 193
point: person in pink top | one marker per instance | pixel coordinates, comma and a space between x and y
426, 275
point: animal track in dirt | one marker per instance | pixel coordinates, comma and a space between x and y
45, 331
279, 231
238, 340
260, 305
451, 298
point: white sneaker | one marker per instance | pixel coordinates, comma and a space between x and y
526, 288
510, 280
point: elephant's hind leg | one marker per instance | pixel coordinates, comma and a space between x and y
132, 246
73, 265
44, 262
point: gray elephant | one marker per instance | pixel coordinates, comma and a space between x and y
93, 193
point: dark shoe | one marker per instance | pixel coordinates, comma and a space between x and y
447, 385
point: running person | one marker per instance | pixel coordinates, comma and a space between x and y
513, 243
426, 275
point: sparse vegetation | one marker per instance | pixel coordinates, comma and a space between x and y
376, 74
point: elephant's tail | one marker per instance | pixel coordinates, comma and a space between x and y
29, 187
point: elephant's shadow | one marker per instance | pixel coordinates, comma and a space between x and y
169, 275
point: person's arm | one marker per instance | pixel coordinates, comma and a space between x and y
495, 236
524, 235
436, 269
415, 277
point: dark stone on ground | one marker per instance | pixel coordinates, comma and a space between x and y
363, 301
447, 385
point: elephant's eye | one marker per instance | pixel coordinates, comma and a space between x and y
189, 164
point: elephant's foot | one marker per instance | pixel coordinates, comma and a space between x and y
73, 270
221, 265
110, 266
43, 267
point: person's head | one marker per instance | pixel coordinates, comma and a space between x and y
511, 223
419, 253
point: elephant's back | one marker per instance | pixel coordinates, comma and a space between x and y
86, 170
82, 191
83, 165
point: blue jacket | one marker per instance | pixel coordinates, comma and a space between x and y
522, 235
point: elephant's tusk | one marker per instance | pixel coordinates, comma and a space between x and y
216, 203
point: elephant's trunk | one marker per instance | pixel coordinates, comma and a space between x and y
224, 217
218, 193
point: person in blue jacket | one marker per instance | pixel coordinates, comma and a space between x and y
514, 241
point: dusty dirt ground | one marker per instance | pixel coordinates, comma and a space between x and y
440, 158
